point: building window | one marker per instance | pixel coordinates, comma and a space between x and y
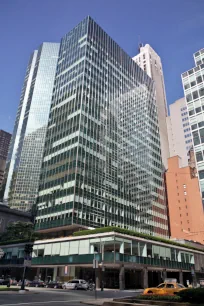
199, 156
180, 215
198, 109
185, 193
199, 79
184, 186
196, 138
201, 174
201, 92
201, 131
201, 124
185, 199
191, 112
189, 98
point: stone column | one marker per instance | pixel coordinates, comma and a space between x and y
145, 278
55, 273
122, 278
194, 280
37, 273
164, 275
181, 277
98, 278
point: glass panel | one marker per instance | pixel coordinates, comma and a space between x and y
199, 156
198, 109
201, 131
196, 138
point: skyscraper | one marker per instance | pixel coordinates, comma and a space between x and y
102, 160
5, 138
179, 131
27, 144
193, 85
151, 63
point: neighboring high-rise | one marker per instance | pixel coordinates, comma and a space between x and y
5, 138
27, 144
102, 160
193, 85
179, 131
186, 217
151, 63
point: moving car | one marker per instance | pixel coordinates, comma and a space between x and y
76, 284
54, 284
36, 283
166, 288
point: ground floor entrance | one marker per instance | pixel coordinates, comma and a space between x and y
111, 276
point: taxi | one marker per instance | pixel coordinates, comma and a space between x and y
166, 288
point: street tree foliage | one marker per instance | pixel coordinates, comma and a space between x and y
19, 231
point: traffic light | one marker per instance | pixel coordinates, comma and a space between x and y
28, 248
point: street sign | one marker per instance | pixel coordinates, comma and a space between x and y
95, 264
1, 253
27, 263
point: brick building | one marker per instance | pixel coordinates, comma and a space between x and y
186, 218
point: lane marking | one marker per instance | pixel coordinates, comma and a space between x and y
47, 302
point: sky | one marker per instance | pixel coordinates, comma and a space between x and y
174, 28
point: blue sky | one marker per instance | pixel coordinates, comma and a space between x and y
174, 28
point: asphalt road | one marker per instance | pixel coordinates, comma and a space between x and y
56, 297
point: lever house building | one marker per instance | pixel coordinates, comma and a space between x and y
126, 260
102, 159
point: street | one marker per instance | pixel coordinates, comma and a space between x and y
55, 297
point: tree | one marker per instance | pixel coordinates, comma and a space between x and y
18, 231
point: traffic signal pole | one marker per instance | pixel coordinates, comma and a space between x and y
27, 251
23, 279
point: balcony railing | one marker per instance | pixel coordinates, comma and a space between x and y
110, 258
12, 261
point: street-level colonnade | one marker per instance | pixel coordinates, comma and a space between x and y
124, 261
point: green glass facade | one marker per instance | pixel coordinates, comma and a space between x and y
102, 160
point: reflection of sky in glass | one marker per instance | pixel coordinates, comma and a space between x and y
31, 125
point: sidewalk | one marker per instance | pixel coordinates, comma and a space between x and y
96, 302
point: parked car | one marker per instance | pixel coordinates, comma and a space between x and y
54, 284
36, 283
13, 282
26, 282
166, 288
5, 282
76, 284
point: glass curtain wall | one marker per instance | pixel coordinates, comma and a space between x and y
102, 161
